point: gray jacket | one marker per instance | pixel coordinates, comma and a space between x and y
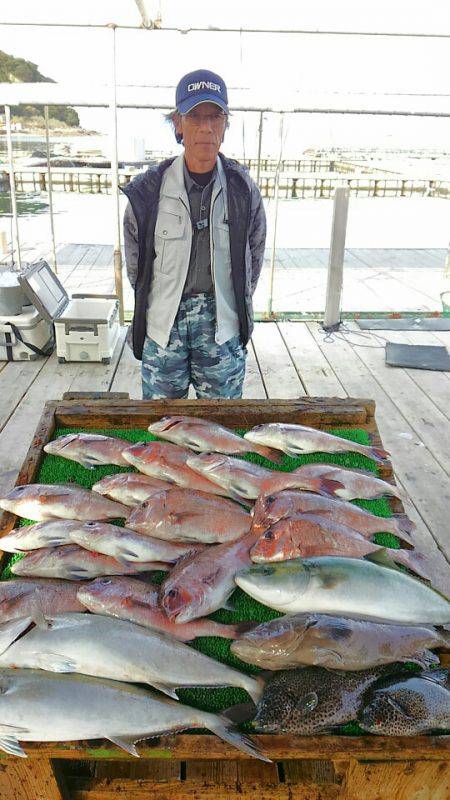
158, 290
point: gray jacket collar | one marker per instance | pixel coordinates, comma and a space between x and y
173, 179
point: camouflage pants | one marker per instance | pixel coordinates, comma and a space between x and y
193, 356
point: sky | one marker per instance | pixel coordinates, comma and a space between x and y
267, 64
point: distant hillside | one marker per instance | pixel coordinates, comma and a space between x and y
18, 70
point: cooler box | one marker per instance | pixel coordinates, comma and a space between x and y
86, 326
26, 336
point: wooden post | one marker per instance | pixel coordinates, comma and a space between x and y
336, 260
12, 186
115, 182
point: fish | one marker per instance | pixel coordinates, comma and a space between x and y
105, 647
136, 601
25, 597
336, 643
43, 534
168, 462
312, 700
201, 582
125, 545
408, 706
44, 501
204, 436
75, 563
239, 479
89, 449
344, 587
308, 536
331, 480
272, 508
129, 488
39, 706
187, 515
296, 440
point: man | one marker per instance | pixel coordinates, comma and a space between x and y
194, 243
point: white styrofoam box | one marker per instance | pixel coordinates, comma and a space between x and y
26, 336
87, 329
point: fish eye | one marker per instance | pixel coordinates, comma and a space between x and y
269, 535
172, 593
106, 581
144, 505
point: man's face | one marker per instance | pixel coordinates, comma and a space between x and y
202, 130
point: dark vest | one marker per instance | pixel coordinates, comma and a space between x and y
143, 194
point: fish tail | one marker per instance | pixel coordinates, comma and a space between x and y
378, 454
268, 452
414, 561
404, 526
225, 729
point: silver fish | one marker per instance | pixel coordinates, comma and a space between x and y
336, 643
89, 449
205, 436
241, 480
29, 597
344, 587
125, 545
129, 488
75, 563
44, 501
37, 706
43, 534
295, 440
347, 484
105, 647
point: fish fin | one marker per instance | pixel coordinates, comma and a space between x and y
228, 605
162, 687
307, 703
425, 660
384, 559
239, 713
125, 743
328, 486
55, 542
397, 706
89, 464
225, 729
77, 574
124, 555
240, 498
11, 630
267, 452
404, 524
9, 740
322, 656
69, 620
40, 620
54, 662
177, 517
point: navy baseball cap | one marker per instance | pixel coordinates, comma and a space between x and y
201, 86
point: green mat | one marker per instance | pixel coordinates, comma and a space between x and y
55, 469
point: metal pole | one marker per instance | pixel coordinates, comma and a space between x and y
260, 130
336, 260
277, 185
115, 183
12, 185
50, 190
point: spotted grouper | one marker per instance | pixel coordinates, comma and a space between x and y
312, 700
409, 706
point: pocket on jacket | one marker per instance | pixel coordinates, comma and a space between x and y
169, 241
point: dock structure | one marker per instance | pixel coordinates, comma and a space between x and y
292, 183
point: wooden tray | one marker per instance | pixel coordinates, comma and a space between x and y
201, 766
